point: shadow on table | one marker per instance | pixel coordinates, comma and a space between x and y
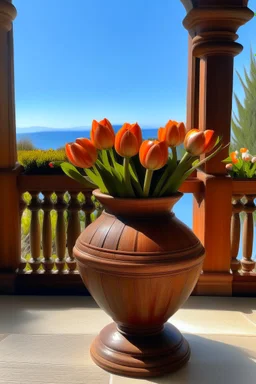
214, 362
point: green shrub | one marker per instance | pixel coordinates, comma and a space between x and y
25, 145
37, 161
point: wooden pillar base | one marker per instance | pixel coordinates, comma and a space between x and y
140, 355
214, 284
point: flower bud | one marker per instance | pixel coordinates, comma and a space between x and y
246, 156
153, 154
128, 140
198, 142
102, 134
229, 167
174, 133
82, 153
234, 158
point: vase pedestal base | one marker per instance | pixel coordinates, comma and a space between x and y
139, 354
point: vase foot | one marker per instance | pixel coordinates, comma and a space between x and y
140, 355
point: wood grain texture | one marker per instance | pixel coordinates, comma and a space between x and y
144, 356
10, 221
247, 263
140, 263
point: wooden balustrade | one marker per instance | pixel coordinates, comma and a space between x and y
48, 256
47, 206
35, 233
235, 233
74, 227
243, 204
242, 237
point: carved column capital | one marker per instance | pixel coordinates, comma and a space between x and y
7, 14
213, 29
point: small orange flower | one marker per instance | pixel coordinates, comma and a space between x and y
229, 167
198, 142
234, 158
82, 153
128, 140
174, 133
102, 134
153, 154
244, 150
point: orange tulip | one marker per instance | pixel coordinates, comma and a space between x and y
153, 154
234, 158
82, 153
174, 133
128, 140
243, 150
102, 134
198, 142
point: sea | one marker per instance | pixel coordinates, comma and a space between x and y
55, 139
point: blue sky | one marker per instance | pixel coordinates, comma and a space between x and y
126, 60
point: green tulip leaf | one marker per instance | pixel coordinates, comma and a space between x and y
97, 179
164, 178
72, 172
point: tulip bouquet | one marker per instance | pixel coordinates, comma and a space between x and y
241, 164
123, 165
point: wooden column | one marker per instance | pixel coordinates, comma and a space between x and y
193, 88
9, 196
212, 25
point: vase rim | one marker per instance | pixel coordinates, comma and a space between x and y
98, 193
137, 207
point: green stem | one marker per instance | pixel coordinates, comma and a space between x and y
127, 176
176, 177
112, 155
147, 182
95, 170
174, 155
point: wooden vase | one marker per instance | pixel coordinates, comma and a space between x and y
140, 264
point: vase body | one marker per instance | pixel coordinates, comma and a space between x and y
140, 264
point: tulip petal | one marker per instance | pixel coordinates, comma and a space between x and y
210, 140
106, 123
89, 148
194, 142
70, 155
145, 146
182, 132
129, 145
161, 134
234, 158
128, 140
81, 156
136, 130
153, 154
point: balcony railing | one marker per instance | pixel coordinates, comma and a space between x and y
58, 209
242, 231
